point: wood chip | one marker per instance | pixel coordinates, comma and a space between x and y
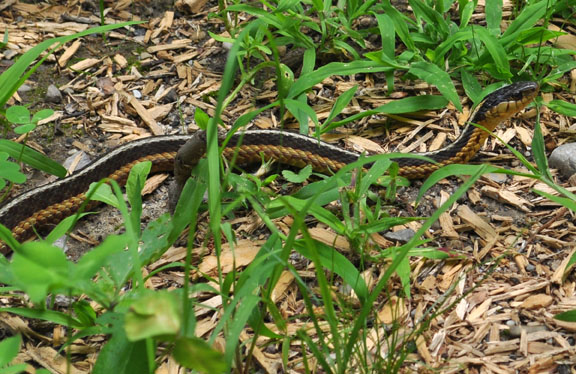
146, 117
480, 226
537, 301
68, 53
85, 64
507, 197
242, 254
51, 360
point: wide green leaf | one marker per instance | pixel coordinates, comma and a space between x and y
10, 170
493, 11
195, 353
9, 348
121, 356
38, 267
153, 315
569, 316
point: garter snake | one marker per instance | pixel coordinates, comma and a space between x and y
47, 205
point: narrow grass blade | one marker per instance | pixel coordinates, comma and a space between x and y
432, 74
32, 158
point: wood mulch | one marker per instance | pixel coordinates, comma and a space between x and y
148, 81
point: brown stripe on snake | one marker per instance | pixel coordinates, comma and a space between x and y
45, 206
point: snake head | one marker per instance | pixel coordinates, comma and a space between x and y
506, 101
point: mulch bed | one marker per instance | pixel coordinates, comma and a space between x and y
504, 325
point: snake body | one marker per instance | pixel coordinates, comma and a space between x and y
47, 205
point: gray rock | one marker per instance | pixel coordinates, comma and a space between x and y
563, 158
170, 97
497, 177
24, 88
53, 94
9, 54
400, 236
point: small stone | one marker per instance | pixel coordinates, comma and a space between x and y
9, 54
170, 97
53, 94
61, 300
24, 88
563, 158
402, 236
516, 331
497, 177
530, 267
137, 94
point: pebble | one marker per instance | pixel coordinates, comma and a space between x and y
563, 158
170, 97
402, 236
24, 88
53, 94
63, 300
9, 54
516, 331
497, 177
137, 94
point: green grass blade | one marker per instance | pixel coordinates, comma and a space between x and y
401, 255
430, 15
411, 104
32, 158
306, 81
400, 25
565, 202
495, 50
336, 262
539, 151
341, 102
387, 34
433, 75
562, 107
53, 316
524, 21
